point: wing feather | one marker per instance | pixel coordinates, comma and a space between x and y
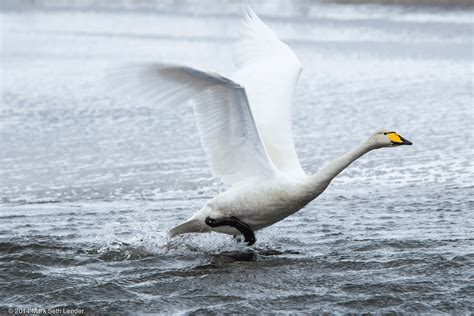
269, 70
225, 122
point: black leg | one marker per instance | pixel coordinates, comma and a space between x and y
232, 221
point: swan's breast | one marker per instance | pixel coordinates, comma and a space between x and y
262, 204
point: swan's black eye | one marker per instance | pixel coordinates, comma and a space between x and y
385, 133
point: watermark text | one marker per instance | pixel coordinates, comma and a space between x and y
45, 311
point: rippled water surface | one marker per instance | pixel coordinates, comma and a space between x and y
91, 181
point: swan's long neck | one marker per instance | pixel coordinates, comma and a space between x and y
321, 180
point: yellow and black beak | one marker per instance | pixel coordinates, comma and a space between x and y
397, 139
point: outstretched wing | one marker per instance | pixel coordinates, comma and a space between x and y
269, 71
224, 119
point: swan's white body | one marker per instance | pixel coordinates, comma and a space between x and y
245, 125
263, 202
258, 204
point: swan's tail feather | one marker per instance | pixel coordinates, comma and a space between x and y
192, 226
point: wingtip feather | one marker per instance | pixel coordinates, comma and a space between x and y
249, 14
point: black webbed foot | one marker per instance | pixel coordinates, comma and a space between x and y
237, 238
232, 221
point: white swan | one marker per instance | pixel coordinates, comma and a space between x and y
245, 128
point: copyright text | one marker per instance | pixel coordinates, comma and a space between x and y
45, 311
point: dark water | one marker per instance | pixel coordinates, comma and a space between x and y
90, 181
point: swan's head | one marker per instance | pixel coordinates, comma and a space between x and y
388, 138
